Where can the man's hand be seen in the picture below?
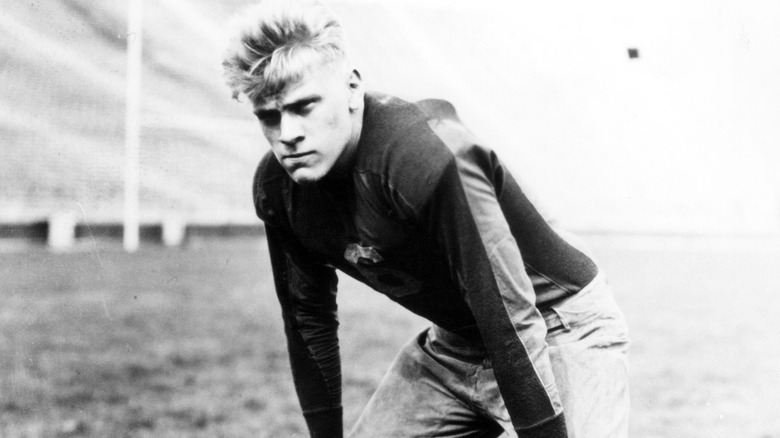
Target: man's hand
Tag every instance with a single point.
(325, 424)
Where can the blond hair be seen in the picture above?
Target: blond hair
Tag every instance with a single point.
(276, 41)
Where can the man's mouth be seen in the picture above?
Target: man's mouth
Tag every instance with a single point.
(298, 155)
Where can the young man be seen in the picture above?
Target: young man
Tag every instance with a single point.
(526, 338)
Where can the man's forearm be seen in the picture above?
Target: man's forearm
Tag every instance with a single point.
(307, 295)
(553, 428)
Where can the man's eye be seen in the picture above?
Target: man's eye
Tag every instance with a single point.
(268, 118)
(305, 107)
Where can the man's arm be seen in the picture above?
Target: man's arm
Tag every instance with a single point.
(465, 215)
(485, 258)
(307, 294)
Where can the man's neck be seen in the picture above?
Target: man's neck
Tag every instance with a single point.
(345, 162)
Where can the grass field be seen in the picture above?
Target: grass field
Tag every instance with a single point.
(188, 342)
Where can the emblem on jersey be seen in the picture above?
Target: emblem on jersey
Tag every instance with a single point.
(362, 255)
(384, 279)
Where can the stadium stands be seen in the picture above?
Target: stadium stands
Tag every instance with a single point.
(643, 143)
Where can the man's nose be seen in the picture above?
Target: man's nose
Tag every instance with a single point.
(290, 130)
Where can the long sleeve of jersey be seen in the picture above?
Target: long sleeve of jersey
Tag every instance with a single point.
(465, 213)
(307, 294)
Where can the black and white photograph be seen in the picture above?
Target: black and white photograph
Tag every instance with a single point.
(368, 219)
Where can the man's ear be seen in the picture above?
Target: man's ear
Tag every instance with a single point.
(356, 90)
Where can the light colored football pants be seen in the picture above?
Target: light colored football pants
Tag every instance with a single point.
(441, 385)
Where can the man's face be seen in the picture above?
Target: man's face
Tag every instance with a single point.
(309, 124)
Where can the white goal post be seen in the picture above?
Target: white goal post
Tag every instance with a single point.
(132, 125)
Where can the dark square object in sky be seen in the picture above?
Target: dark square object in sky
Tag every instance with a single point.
(633, 53)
